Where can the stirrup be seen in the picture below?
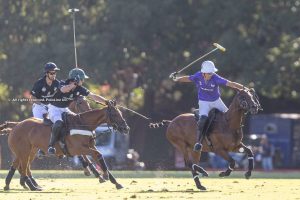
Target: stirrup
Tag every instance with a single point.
(197, 147)
(40, 154)
(51, 150)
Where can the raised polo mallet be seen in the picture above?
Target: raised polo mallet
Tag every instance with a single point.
(173, 75)
(73, 11)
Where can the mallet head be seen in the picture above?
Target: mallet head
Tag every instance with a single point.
(219, 47)
(73, 10)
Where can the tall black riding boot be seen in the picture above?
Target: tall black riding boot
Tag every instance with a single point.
(57, 126)
(201, 123)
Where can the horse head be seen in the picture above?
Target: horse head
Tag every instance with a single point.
(79, 105)
(115, 118)
(248, 101)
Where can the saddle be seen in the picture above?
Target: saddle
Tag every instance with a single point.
(72, 125)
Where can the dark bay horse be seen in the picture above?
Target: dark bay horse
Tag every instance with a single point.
(225, 135)
(32, 134)
(80, 104)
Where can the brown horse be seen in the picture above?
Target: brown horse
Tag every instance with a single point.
(225, 135)
(79, 105)
(32, 134)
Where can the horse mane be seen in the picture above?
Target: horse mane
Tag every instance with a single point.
(92, 111)
(233, 100)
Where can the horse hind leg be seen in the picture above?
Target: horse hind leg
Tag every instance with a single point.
(11, 173)
(224, 154)
(196, 169)
(196, 160)
(182, 147)
(24, 164)
(31, 158)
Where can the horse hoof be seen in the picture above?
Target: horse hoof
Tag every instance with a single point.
(247, 175)
(86, 172)
(119, 186)
(202, 188)
(204, 174)
(222, 174)
(6, 188)
(101, 179)
(39, 187)
(25, 187)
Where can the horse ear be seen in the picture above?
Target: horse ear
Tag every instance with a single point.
(252, 90)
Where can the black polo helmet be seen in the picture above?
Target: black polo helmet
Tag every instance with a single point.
(50, 66)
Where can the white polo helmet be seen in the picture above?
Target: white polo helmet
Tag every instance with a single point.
(208, 67)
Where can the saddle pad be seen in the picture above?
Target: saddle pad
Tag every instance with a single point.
(81, 132)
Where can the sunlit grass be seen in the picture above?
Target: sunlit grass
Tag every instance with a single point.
(156, 185)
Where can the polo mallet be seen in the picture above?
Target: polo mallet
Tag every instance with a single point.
(73, 11)
(217, 46)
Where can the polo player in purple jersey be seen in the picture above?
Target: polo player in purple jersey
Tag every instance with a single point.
(207, 83)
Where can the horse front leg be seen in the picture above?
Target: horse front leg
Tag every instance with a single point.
(224, 154)
(89, 166)
(250, 156)
(97, 156)
(85, 165)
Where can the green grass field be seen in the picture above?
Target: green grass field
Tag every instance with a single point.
(156, 185)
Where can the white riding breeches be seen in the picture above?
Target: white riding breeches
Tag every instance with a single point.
(55, 112)
(206, 106)
(38, 110)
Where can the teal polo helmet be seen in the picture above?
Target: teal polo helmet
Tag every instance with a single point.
(77, 72)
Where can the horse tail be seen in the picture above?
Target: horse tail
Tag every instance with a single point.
(6, 128)
(159, 124)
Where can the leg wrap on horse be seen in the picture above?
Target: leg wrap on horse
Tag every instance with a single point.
(10, 175)
(94, 170)
(196, 178)
(83, 162)
(231, 165)
(199, 169)
(201, 123)
(197, 181)
(22, 180)
(251, 163)
(250, 158)
(112, 178)
(102, 163)
(33, 181)
(29, 183)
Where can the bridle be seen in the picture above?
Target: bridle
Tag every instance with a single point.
(112, 122)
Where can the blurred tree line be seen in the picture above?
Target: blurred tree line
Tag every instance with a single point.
(129, 48)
